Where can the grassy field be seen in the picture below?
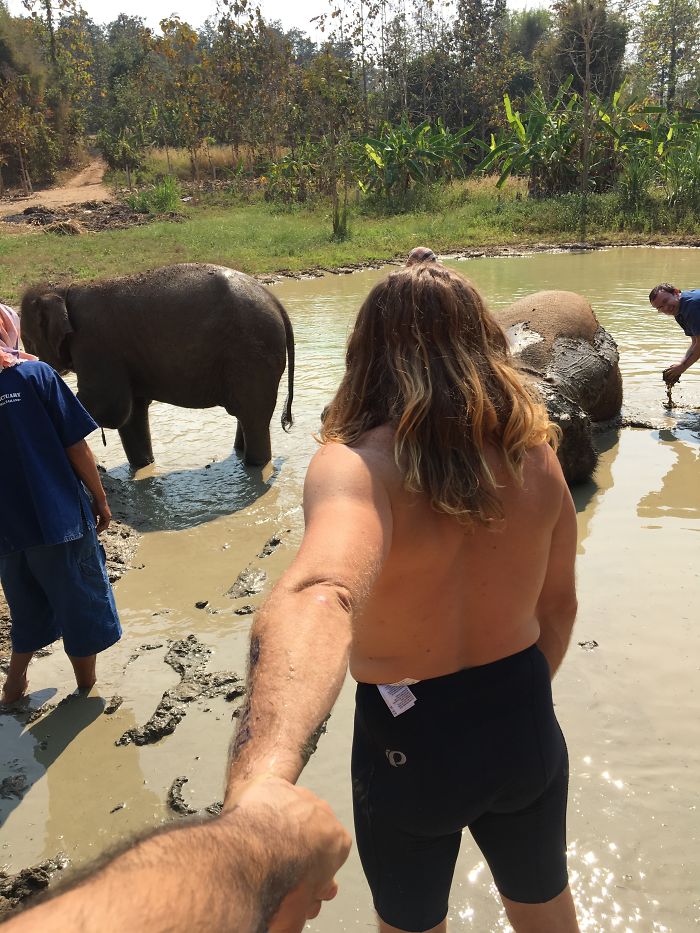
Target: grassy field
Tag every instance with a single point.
(259, 237)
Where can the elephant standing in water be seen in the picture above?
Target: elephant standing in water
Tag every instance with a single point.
(193, 335)
(573, 362)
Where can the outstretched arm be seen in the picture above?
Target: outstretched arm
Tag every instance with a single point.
(301, 638)
(673, 373)
(264, 866)
(557, 604)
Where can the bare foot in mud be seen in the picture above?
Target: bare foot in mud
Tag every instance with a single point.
(13, 690)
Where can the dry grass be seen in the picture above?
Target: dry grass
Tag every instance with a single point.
(212, 161)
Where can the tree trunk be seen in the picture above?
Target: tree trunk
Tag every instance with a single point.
(672, 69)
(24, 172)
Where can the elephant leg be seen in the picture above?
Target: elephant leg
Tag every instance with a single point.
(258, 449)
(239, 443)
(254, 416)
(135, 435)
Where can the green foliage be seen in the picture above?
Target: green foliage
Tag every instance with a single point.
(166, 195)
(542, 144)
(295, 176)
(403, 156)
(162, 199)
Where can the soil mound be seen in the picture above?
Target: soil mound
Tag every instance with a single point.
(89, 216)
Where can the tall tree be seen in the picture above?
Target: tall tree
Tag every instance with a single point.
(588, 37)
(668, 38)
(483, 66)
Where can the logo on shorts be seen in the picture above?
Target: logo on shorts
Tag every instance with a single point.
(396, 759)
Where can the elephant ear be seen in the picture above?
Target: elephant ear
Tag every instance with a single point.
(54, 325)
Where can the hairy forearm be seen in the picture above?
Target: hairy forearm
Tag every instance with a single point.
(299, 655)
(207, 877)
(555, 635)
(83, 462)
(692, 355)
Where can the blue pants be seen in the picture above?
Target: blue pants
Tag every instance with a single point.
(61, 591)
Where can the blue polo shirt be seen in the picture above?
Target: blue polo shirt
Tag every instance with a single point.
(41, 498)
(688, 317)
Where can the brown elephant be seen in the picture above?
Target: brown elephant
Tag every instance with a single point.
(573, 361)
(194, 335)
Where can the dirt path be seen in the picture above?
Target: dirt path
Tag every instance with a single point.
(85, 186)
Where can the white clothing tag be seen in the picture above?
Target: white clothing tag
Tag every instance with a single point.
(397, 697)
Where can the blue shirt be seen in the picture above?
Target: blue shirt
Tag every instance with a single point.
(688, 316)
(41, 498)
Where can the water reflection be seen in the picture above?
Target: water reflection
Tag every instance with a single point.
(588, 496)
(676, 498)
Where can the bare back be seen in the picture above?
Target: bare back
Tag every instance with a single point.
(449, 597)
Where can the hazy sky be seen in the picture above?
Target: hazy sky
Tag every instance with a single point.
(195, 12)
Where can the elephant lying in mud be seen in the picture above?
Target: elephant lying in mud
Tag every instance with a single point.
(573, 362)
(192, 335)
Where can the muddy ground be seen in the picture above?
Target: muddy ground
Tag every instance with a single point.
(86, 217)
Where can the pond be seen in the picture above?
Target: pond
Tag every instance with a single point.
(626, 695)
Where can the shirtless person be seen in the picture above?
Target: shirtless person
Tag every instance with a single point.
(439, 551)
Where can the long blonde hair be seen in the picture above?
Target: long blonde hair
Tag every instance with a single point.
(426, 357)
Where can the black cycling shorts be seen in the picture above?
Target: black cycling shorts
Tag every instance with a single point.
(480, 748)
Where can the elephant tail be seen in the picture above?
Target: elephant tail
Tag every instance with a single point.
(287, 419)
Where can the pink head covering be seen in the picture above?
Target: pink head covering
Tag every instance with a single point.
(10, 353)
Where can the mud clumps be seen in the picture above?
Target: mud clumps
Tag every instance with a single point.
(113, 705)
(188, 657)
(90, 216)
(179, 805)
(273, 543)
(244, 610)
(164, 720)
(16, 888)
(176, 801)
(14, 786)
(248, 582)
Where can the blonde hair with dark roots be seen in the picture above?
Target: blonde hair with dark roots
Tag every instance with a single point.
(426, 357)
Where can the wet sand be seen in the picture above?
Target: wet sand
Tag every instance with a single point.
(626, 695)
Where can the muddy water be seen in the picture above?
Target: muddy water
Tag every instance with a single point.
(627, 698)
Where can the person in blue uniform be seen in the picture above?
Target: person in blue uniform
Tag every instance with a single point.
(52, 566)
(685, 308)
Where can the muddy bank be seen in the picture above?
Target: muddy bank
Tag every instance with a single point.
(479, 252)
(120, 542)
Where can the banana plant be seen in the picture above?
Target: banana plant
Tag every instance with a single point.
(403, 155)
(542, 144)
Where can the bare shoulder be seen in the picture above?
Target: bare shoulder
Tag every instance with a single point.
(543, 471)
(372, 454)
(544, 460)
